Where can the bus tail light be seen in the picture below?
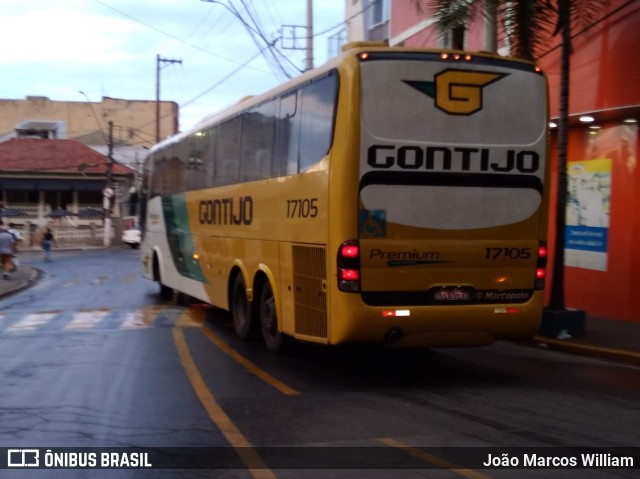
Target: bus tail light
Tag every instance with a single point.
(541, 265)
(349, 275)
(395, 313)
(349, 267)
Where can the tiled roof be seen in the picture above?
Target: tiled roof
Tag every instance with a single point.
(53, 156)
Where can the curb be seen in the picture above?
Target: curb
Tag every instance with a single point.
(21, 285)
(587, 349)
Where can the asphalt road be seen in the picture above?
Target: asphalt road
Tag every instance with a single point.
(91, 357)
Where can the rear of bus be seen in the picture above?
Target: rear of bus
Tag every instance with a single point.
(452, 202)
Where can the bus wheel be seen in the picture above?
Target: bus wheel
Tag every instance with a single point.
(165, 291)
(240, 308)
(273, 339)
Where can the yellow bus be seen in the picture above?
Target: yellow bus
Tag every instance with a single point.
(394, 196)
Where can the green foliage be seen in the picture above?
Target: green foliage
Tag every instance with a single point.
(529, 24)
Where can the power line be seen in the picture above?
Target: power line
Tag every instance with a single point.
(255, 33)
(268, 6)
(272, 50)
(342, 24)
(212, 87)
(273, 55)
(95, 116)
(220, 82)
(197, 47)
(276, 51)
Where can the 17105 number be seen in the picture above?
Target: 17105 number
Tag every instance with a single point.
(507, 253)
(303, 208)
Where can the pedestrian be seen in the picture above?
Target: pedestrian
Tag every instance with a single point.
(47, 243)
(18, 237)
(7, 242)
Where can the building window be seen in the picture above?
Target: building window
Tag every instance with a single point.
(336, 41)
(453, 38)
(378, 12)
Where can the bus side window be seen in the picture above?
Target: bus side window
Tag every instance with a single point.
(318, 107)
(154, 174)
(228, 152)
(167, 172)
(285, 152)
(208, 155)
(257, 142)
(175, 173)
(193, 163)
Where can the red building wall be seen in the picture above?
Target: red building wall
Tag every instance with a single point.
(605, 65)
(605, 81)
(612, 293)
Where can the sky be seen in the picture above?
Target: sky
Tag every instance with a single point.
(109, 48)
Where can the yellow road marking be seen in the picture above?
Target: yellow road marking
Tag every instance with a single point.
(196, 317)
(243, 447)
(192, 318)
(249, 366)
(438, 461)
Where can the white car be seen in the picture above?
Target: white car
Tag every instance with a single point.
(132, 237)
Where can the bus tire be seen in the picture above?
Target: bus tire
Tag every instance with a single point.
(240, 308)
(273, 339)
(166, 292)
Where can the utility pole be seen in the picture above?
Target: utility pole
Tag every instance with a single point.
(158, 61)
(309, 49)
(109, 191)
(291, 40)
(110, 155)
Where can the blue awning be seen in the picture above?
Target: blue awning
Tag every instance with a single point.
(18, 184)
(88, 185)
(28, 184)
(55, 185)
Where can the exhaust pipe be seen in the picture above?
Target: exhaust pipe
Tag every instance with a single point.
(393, 335)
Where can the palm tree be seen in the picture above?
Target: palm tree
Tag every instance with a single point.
(528, 23)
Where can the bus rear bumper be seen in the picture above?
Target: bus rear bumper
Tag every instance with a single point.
(438, 326)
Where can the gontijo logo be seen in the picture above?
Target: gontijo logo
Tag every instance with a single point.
(457, 92)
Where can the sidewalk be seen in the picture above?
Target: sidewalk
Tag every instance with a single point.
(20, 279)
(603, 338)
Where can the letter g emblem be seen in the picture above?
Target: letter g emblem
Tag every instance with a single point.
(460, 92)
(457, 92)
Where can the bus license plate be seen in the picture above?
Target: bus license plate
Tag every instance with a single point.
(452, 294)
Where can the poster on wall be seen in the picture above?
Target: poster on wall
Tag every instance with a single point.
(589, 193)
(588, 208)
